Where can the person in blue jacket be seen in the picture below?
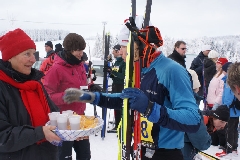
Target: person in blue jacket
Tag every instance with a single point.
(193, 142)
(165, 97)
(228, 99)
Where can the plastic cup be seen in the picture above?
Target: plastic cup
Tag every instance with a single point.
(53, 118)
(84, 87)
(55, 113)
(74, 122)
(68, 112)
(62, 122)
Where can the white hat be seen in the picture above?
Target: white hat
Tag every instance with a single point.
(123, 36)
(124, 32)
(206, 47)
(213, 54)
(196, 83)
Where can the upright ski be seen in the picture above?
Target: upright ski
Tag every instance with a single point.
(105, 83)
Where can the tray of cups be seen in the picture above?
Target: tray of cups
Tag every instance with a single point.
(72, 126)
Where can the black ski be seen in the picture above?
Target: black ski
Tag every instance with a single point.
(105, 83)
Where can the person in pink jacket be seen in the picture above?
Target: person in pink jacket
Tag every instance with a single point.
(215, 88)
(214, 99)
(68, 72)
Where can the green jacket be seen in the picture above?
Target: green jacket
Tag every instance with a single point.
(118, 71)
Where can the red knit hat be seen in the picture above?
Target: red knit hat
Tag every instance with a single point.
(15, 42)
(222, 61)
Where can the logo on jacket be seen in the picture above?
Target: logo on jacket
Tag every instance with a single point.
(151, 92)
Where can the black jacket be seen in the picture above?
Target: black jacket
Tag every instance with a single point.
(209, 70)
(118, 71)
(197, 65)
(17, 135)
(178, 58)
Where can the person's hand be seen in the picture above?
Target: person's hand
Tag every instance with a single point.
(107, 69)
(112, 75)
(94, 87)
(109, 58)
(78, 95)
(93, 71)
(49, 135)
(137, 99)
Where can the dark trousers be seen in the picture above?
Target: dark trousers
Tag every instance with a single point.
(165, 154)
(232, 134)
(117, 88)
(218, 137)
(82, 149)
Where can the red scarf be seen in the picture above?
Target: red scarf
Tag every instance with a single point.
(33, 98)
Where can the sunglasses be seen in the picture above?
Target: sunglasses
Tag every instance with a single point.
(183, 49)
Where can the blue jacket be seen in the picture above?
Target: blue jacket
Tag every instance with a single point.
(228, 97)
(193, 142)
(167, 84)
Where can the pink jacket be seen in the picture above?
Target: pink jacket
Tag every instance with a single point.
(62, 76)
(215, 90)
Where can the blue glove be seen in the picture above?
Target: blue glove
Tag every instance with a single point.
(138, 100)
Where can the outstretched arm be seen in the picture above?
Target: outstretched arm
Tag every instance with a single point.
(112, 101)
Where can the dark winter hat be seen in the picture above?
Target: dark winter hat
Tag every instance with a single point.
(117, 47)
(84, 57)
(15, 42)
(221, 113)
(58, 47)
(225, 66)
(74, 42)
(49, 43)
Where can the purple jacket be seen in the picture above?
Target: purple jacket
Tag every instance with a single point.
(62, 76)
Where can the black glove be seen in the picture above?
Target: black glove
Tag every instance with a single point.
(111, 76)
(95, 88)
(107, 69)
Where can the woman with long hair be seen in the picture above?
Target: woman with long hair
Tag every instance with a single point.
(215, 89)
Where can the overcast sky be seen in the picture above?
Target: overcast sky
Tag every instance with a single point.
(175, 18)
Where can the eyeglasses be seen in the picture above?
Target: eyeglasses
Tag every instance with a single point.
(183, 49)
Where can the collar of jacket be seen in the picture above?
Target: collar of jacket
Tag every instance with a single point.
(49, 53)
(119, 58)
(69, 58)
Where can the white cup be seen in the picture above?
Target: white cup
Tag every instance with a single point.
(84, 87)
(62, 121)
(53, 118)
(55, 112)
(74, 122)
(68, 112)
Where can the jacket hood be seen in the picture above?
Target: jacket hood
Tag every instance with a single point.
(58, 59)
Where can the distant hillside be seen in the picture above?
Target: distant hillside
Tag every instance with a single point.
(226, 46)
(44, 34)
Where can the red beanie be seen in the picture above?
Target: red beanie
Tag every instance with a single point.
(222, 61)
(15, 42)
